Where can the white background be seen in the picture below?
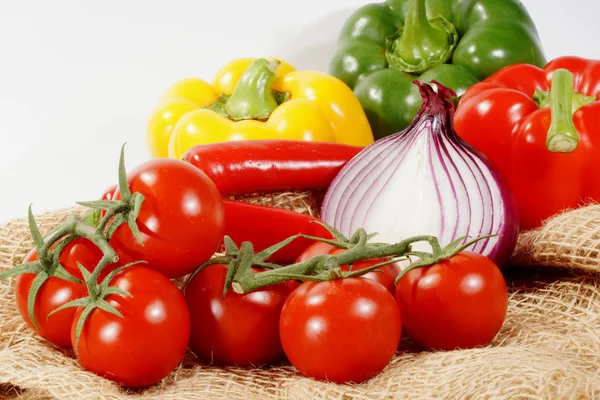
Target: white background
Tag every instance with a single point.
(79, 78)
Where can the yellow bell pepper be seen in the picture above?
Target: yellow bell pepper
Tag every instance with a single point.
(254, 99)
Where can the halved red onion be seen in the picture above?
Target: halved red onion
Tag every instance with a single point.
(425, 180)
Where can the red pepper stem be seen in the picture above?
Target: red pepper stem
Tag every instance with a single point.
(562, 134)
(422, 43)
(252, 97)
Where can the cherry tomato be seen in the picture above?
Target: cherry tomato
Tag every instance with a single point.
(385, 277)
(457, 303)
(344, 330)
(56, 291)
(150, 340)
(181, 220)
(242, 329)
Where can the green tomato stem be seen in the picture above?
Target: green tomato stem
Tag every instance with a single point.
(422, 43)
(252, 97)
(246, 281)
(562, 134)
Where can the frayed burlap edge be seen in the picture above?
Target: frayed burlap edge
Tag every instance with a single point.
(568, 240)
(549, 348)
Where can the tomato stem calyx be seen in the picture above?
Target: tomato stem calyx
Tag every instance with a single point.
(242, 279)
(97, 296)
(438, 254)
(49, 248)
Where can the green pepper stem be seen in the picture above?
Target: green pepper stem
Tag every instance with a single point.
(422, 43)
(252, 97)
(562, 134)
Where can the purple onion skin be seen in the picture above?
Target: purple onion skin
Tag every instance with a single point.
(509, 233)
(440, 104)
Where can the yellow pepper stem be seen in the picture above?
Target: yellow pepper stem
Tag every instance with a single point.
(252, 97)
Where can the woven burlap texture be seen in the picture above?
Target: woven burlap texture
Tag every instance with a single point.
(549, 347)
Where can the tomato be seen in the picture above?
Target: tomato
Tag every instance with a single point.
(344, 330)
(150, 340)
(242, 329)
(457, 303)
(181, 220)
(56, 291)
(385, 277)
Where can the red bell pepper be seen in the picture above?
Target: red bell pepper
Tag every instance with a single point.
(250, 166)
(541, 128)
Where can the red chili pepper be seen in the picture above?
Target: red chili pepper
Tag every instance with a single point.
(541, 128)
(266, 226)
(251, 166)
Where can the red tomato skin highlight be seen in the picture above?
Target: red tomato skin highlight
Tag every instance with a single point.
(242, 329)
(457, 303)
(150, 340)
(345, 330)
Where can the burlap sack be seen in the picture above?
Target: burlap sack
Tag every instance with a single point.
(549, 347)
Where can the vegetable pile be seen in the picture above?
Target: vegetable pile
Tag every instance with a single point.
(420, 209)
(288, 286)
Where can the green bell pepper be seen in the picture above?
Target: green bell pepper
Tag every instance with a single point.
(384, 47)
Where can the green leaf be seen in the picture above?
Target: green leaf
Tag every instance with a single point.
(230, 246)
(99, 204)
(60, 246)
(104, 306)
(232, 270)
(341, 245)
(81, 302)
(115, 224)
(116, 291)
(106, 281)
(455, 243)
(35, 232)
(131, 221)
(92, 218)
(32, 267)
(80, 322)
(334, 232)
(372, 235)
(33, 291)
(212, 261)
(84, 272)
(466, 245)
(138, 200)
(60, 272)
(123, 184)
(269, 251)
(419, 264)
(353, 274)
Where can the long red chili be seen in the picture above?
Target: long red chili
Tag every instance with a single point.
(266, 226)
(250, 166)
